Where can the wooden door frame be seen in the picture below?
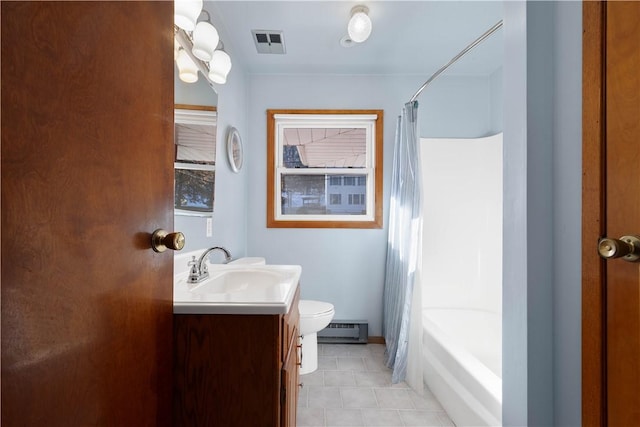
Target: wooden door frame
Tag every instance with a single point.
(594, 363)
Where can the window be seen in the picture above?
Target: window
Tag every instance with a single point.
(356, 199)
(335, 199)
(324, 168)
(335, 180)
(349, 180)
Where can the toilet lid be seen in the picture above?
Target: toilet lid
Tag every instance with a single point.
(310, 308)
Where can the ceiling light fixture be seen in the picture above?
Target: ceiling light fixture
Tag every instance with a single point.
(205, 39)
(345, 41)
(187, 69)
(196, 44)
(186, 12)
(219, 66)
(359, 27)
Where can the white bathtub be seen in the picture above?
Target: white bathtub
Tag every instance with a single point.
(463, 363)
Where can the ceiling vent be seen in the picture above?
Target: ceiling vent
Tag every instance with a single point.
(268, 41)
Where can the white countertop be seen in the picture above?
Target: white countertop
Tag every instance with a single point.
(247, 288)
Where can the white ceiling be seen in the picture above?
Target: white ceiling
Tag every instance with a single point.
(408, 37)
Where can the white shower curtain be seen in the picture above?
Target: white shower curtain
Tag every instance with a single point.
(402, 289)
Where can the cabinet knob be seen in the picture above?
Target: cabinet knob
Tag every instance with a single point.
(301, 385)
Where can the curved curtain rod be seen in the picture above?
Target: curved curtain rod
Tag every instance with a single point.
(456, 58)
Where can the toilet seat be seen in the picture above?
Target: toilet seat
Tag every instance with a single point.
(311, 308)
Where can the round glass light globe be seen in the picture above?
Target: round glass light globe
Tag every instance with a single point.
(205, 41)
(186, 12)
(187, 69)
(359, 27)
(219, 67)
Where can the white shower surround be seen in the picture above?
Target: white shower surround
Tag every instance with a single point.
(462, 276)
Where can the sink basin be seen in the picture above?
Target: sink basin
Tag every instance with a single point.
(252, 260)
(242, 280)
(240, 288)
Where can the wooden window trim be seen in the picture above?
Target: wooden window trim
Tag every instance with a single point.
(195, 107)
(271, 174)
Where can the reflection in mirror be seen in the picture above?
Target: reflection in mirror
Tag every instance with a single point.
(195, 156)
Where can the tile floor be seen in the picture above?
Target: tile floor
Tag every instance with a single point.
(352, 387)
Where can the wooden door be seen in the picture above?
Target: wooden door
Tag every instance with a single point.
(611, 289)
(87, 131)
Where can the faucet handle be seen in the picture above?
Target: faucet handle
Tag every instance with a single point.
(193, 264)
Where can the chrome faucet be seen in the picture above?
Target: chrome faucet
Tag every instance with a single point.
(199, 270)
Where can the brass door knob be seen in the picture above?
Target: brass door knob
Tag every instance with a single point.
(627, 248)
(162, 240)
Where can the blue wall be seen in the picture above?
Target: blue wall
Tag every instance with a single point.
(567, 209)
(542, 184)
(346, 267)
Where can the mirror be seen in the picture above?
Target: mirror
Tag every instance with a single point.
(196, 226)
(195, 159)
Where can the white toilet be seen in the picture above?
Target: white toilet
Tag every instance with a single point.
(314, 316)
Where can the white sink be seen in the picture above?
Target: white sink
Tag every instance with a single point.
(251, 260)
(238, 288)
(245, 279)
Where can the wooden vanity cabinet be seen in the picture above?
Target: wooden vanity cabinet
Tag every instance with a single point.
(236, 370)
(290, 366)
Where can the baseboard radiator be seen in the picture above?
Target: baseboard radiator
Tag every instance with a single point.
(345, 332)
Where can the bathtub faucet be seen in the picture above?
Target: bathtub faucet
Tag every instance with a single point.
(199, 270)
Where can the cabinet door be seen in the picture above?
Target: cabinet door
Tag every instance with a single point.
(290, 364)
(290, 383)
(290, 325)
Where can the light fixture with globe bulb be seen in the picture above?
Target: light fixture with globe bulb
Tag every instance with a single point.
(186, 13)
(197, 44)
(205, 39)
(219, 66)
(359, 27)
(187, 68)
